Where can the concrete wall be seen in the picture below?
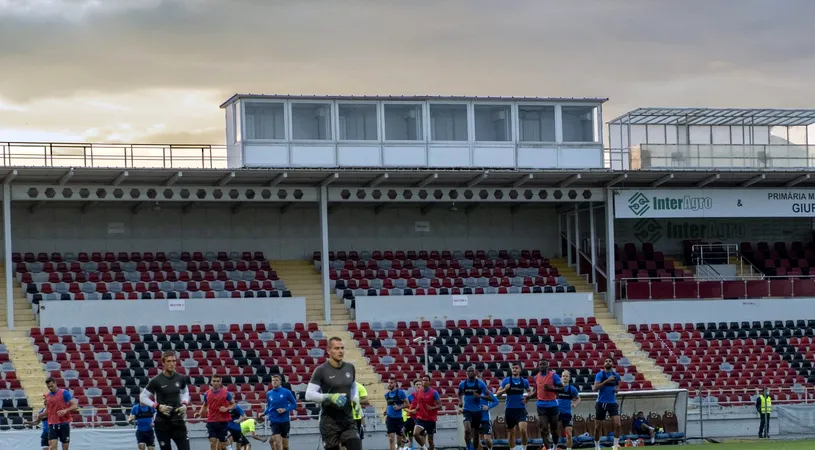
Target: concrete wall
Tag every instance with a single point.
(294, 235)
(692, 311)
(157, 312)
(454, 307)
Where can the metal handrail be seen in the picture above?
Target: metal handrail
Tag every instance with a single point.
(625, 282)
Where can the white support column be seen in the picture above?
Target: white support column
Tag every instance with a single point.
(577, 238)
(560, 235)
(569, 229)
(326, 264)
(593, 246)
(610, 290)
(7, 248)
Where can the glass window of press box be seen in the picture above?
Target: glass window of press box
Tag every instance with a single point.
(403, 122)
(448, 122)
(493, 123)
(537, 123)
(579, 123)
(311, 121)
(264, 121)
(358, 122)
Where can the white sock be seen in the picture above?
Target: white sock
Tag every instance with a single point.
(652, 440)
(616, 442)
(597, 445)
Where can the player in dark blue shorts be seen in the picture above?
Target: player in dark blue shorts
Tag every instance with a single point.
(143, 416)
(515, 387)
(566, 400)
(41, 418)
(485, 430)
(394, 421)
(470, 392)
(607, 383)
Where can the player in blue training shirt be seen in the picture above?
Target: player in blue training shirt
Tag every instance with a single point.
(41, 417)
(607, 383)
(566, 400)
(485, 430)
(280, 402)
(397, 400)
(470, 392)
(143, 416)
(515, 387)
(236, 416)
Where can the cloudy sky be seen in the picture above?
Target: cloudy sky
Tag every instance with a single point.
(156, 71)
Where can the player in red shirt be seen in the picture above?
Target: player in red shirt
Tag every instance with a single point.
(59, 404)
(218, 402)
(428, 404)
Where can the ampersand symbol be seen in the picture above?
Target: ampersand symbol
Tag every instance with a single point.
(738, 202)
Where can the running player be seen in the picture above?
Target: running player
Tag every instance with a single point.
(515, 387)
(41, 417)
(236, 416)
(172, 397)
(566, 400)
(59, 405)
(547, 385)
(248, 429)
(218, 402)
(395, 424)
(470, 392)
(359, 418)
(143, 416)
(485, 430)
(607, 383)
(428, 404)
(409, 414)
(333, 386)
(280, 402)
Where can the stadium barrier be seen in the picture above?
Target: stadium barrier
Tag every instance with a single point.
(633, 289)
(64, 154)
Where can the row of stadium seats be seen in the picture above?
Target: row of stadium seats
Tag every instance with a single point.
(428, 255)
(731, 361)
(146, 277)
(121, 257)
(12, 395)
(729, 289)
(142, 267)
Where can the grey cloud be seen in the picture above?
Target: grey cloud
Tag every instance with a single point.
(750, 50)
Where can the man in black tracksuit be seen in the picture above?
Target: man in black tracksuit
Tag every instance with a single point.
(171, 399)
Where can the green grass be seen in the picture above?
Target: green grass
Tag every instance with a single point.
(762, 445)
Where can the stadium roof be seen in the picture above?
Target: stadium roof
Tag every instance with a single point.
(717, 117)
(757, 178)
(408, 98)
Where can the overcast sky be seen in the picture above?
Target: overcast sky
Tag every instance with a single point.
(156, 71)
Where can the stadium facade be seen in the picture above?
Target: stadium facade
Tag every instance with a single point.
(489, 224)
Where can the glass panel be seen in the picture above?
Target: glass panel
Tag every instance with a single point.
(448, 122)
(493, 123)
(358, 123)
(264, 121)
(578, 124)
(403, 122)
(311, 121)
(537, 123)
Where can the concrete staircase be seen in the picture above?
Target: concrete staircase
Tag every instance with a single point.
(578, 281)
(678, 264)
(303, 280)
(629, 348)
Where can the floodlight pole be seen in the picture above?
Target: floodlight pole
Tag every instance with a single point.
(425, 342)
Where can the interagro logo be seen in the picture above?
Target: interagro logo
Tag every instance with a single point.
(648, 230)
(639, 204)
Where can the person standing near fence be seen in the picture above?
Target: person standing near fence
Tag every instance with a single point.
(764, 405)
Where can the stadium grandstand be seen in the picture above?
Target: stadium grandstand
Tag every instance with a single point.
(430, 234)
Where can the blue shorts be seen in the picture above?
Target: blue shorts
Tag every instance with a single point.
(60, 432)
(604, 410)
(565, 420)
(218, 430)
(395, 425)
(44, 441)
(147, 438)
(485, 427)
(514, 416)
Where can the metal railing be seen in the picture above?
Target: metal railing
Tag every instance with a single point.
(165, 156)
(704, 156)
(686, 288)
(714, 397)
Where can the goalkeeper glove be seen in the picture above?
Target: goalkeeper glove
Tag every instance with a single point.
(339, 400)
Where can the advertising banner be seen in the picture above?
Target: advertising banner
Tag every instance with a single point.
(730, 203)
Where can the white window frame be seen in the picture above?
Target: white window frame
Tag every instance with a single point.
(558, 129)
(286, 128)
(332, 108)
(470, 120)
(512, 117)
(378, 115)
(422, 107)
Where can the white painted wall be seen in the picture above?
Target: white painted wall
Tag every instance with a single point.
(692, 311)
(294, 235)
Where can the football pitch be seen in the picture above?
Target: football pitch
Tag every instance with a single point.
(804, 444)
